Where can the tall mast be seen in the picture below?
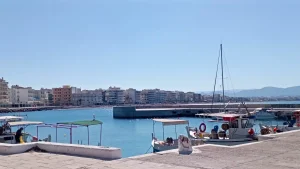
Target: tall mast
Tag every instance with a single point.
(223, 98)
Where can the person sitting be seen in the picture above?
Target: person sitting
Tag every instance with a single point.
(18, 135)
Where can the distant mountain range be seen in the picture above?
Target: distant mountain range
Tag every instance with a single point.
(263, 92)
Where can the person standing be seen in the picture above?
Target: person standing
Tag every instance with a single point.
(18, 135)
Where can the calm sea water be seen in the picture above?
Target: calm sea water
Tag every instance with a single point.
(132, 136)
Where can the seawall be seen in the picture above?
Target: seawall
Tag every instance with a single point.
(189, 110)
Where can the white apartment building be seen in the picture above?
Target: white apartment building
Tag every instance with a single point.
(189, 97)
(180, 96)
(149, 96)
(162, 96)
(137, 97)
(171, 96)
(87, 98)
(130, 96)
(19, 95)
(197, 97)
(44, 95)
(75, 90)
(120, 97)
(4, 92)
(114, 95)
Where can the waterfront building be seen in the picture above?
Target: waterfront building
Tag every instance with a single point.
(62, 95)
(162, 96)
(217, 98)
(4, 92)
(44, 95)
(149, 96)
(75, 90)
(189, 97)
(9, 96)
(138, 97)
(114, 95)
(171, 97)
(130, 96)
(206, 98)
(33, 95)
(88, 98)
(120, 97)
(180, 96)
(19, 95)
(197, 97)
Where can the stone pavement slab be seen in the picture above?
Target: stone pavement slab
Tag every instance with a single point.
(278, 153)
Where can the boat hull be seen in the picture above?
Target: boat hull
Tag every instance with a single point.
(163, 147)
(265, 117)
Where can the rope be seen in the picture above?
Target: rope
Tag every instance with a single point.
(216, 79)
(234, 93)
(148, 149)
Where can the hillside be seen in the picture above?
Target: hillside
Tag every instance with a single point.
(263, 92)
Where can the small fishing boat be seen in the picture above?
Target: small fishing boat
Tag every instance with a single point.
(236, 128)
(169, 143)
(6, 134)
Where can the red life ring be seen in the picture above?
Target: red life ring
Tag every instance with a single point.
(200, 127)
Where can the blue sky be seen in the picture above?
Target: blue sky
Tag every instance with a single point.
(171, 45)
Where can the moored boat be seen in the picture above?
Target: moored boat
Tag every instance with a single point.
(169, 143)
(263, 114)
(6, 134)
(236, 128)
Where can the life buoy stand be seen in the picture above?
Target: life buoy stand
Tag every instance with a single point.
(202, 127)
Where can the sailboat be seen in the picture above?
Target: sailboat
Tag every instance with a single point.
(236, 127)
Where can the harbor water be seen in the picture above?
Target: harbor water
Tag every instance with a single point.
(133, 136)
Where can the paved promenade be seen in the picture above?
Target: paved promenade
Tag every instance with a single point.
(278, 153)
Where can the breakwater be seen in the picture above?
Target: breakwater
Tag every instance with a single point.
(189, 110)
(29, 109)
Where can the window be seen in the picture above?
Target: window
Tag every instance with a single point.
(245, 123)
(234, 124)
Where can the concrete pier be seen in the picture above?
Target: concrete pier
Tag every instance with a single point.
(281, 152)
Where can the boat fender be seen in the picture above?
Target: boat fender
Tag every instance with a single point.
(251, 131)
(202, 127)
(225, 126)
(21, 140)
(216, 128)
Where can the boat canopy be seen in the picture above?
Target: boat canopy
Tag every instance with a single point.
(24, 123)
(10, 118)
(74, 124)
(83, 123)
(167, 122)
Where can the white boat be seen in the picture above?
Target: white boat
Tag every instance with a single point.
(216, 118)
(263, 114)
(169, 143)
(10, 118)
(7, 136)
(293, 124)
(236, 128)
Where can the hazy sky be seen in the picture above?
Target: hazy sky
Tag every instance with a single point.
(170, 45)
